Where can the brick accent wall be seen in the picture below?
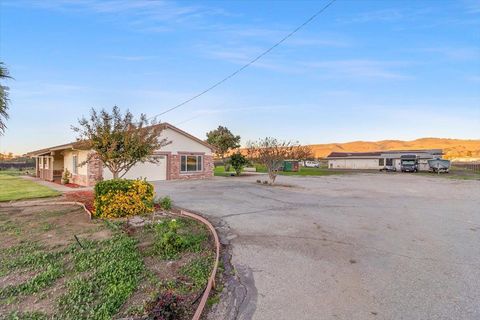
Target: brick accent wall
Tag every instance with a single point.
(175, 169)
(94, 170)
(94, 173)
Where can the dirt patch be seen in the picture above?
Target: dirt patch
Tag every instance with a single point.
(52, 225)
(16, 278)
(86, 197)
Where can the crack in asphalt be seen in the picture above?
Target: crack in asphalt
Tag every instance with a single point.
(477, 265)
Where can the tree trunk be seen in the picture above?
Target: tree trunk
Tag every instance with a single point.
(226, 166)
(272, 175)
(115, 174)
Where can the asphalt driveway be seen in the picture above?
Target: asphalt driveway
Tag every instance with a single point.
(366, 246)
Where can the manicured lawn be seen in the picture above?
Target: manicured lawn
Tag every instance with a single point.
(113, 271)
(13, 187)
(304, 171)
(311, 172)
(219, 171)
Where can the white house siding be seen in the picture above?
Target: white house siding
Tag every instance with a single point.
(148, 170)
(68, 161)
(423, 165)
(181, 143)
(353, 164)
(373, 163)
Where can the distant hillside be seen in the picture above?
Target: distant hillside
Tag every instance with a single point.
(454, 149)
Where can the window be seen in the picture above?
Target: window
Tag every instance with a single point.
(191, 163)
(75, 164)
(46, 160)
(381, 162)
(40, 162)
(389, 162)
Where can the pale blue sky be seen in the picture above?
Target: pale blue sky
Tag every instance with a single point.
(363, 70)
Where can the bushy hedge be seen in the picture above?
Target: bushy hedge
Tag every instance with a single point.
(122, 198)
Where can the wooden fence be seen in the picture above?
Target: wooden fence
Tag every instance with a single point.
(474, 166)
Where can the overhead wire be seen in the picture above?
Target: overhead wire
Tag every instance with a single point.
(233, 74)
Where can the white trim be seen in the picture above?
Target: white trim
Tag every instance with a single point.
(199, 164)
(74, 163)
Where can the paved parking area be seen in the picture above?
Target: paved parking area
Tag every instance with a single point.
(364, 246)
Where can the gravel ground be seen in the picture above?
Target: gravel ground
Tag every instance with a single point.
(364, 246)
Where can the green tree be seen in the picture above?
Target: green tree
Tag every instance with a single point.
(238, 161)
(4, 100)
(224, 141)
(119, 140)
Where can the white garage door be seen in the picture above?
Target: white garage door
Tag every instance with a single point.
(150, 171)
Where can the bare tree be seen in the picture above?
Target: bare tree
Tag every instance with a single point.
(119, 140)
(302, 153)
(271, 153)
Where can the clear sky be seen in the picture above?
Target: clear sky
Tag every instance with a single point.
(363, 70)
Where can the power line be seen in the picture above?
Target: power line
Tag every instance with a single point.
(249, 63)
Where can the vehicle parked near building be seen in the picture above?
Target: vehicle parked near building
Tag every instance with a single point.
(439, 165)
(382, 160)
(389, 168)
(312, 164)
(409, 163)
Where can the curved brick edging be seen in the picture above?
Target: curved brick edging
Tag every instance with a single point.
(211, 279)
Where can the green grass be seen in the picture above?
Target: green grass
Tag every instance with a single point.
(219, 171)
(457, 174)
(304, 171)
(15, 172)
(27, 316)
(311, 172)
(106, 274)
(171, 239)
(100, 277)
(16, 188)
(198, 271)
(96, 279)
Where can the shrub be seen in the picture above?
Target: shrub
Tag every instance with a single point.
(123, 198)
(165, 202)
(66, 176)
(169, 243)
(238, 161)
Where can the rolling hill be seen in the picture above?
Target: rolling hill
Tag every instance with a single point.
(454, 149)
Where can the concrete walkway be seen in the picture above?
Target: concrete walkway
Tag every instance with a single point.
(59, 187)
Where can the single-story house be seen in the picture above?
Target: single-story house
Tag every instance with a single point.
(185, 157)
(380, 159)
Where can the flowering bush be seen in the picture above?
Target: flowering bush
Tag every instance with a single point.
(122, 198)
